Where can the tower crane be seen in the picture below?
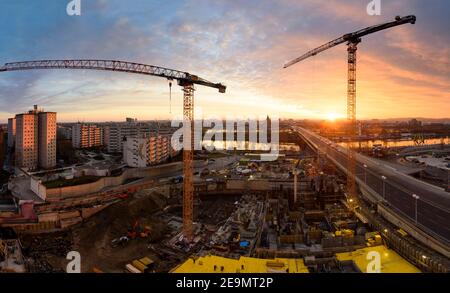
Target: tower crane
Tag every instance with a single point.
(352, 40)
(184, 79)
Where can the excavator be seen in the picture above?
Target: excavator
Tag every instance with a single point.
(134, 232)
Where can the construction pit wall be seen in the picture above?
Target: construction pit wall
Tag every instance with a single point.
(61, 215)
(56, 221)
(60, 193)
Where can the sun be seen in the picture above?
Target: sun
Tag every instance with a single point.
(331, 116)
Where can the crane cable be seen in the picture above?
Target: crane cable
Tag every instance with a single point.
(170, 96)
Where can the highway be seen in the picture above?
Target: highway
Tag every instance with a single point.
(400, 192)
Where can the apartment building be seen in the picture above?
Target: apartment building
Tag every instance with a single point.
(115, 134)
(47, 139)
(11, 132)
(27, 141)
(146, 150)
(35, 139)
(86, 136)
(64, 132)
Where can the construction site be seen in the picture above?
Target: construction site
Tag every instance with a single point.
(318, 208)
(251, 211)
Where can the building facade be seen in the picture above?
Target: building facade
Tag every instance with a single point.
(35, 139)
(146, 150)
(3, 146)
(27, 141)
(64, 132)
(86, 136)
(11, 132)
(116, 134)
(47, 139)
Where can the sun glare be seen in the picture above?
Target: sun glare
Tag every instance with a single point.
(332, 116)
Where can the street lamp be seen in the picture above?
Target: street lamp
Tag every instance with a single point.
(365, 173)
(416, 197)
(448, 180)
(384, 186)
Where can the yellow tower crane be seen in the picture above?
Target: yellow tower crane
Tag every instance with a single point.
(352, 40)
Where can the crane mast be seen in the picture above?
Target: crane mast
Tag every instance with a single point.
(352, 39)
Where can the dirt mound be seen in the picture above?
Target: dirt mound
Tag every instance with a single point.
(93, 237)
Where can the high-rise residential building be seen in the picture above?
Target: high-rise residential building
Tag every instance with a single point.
(116, 134)
(47, 139)
(64, 132)
(35, 139)
(146, 150)
(27, 141)
(11, 132)
(86, 136)
(3, 145)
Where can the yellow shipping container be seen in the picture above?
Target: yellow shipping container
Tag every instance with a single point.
(140, 266)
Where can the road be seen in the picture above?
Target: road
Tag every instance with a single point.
(397, 189)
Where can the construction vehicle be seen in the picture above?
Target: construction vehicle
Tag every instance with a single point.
(373, 239)
(137, 231)
(122, 241)
(352, 40)
(344, 233)
(184, 79)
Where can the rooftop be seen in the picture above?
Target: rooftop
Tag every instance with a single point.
(391, 262)
(205, 264)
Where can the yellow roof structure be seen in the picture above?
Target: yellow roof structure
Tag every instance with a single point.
(391, 262)
(205, 264)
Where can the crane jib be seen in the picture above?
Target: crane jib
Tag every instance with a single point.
(114, 65)
(354, 37)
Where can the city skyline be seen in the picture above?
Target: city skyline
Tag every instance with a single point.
(244, 45)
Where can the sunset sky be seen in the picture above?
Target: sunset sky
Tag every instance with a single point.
(402, 72)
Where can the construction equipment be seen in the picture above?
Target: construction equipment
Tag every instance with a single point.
(352, 40)
(137, 231)
(184, 79)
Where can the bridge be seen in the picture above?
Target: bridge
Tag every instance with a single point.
(421, 209)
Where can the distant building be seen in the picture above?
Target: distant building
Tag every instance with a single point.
(86, 136)
(64, 132)
(147, 150)
(11, 132)
(27, 141)
(35, 139)
(3, 146)
(116, 134)
(47, 139)
(415, 124)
